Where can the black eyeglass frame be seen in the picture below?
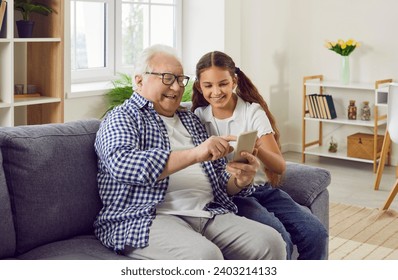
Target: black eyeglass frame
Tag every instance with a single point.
(182, 83)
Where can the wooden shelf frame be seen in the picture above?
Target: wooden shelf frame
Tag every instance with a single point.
(316, 147)
(38, 61)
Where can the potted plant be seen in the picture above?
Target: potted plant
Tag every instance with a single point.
(26, 7)
(332, 146)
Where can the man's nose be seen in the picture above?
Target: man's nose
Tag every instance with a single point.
(175, 85)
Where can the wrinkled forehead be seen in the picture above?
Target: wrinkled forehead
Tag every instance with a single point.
(166, 63)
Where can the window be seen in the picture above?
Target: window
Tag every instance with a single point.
(108, 35)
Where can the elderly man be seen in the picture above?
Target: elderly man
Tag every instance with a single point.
(165, 185)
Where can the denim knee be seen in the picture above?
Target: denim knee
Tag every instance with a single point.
(313, 243)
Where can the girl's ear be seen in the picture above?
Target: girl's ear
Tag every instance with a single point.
(235, 82)
(196, 84)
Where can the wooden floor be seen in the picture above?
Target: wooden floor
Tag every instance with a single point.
(353, 182)
(360, 233)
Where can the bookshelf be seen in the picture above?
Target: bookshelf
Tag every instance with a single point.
(358, 91)
(32, 61)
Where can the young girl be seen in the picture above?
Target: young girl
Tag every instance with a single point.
(228, 103)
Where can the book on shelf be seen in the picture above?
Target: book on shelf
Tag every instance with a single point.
(2, 12)
(316, 106)
(321, 106)
(326, 106)
(309, 98)
(331, 107)
(310, 107)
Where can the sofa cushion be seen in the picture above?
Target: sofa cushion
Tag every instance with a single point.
(51, 177)
(304, 183)
(7, 233)
(86, 247)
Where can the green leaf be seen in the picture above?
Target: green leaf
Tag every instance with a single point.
(187, 95)
(122, 90)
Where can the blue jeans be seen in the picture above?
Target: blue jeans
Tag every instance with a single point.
(274, 207)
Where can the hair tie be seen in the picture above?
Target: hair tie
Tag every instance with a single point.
(237, 70)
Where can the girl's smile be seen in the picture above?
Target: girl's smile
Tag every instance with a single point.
(216, 85)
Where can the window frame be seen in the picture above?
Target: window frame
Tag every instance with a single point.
(114, 44)
(100, 74)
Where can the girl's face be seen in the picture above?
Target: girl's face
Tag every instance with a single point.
(216, 85)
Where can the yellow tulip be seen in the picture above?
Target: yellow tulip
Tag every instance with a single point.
(342, 47)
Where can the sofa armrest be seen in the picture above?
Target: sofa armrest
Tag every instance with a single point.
(304, 183)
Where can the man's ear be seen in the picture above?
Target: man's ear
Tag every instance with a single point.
(138, 80)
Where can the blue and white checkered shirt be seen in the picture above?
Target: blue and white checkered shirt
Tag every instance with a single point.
(133, 147)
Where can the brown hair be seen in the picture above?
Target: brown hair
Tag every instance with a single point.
(245, 90)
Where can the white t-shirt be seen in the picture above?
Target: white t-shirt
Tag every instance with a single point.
(189, 189)
(246, 117)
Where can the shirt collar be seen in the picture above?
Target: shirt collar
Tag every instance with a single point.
(140, 101)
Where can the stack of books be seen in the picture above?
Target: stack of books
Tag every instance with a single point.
(321, 106)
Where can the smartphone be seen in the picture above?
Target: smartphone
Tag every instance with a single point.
(246, 142)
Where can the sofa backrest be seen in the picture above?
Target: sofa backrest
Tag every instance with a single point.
(50, 172)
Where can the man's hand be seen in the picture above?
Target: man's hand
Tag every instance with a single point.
(214, 147)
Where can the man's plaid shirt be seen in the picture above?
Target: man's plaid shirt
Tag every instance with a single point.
(133, 147)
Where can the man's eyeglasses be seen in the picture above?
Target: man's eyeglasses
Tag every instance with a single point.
(169, 78)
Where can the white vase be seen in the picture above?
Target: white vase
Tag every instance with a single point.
(345, 70)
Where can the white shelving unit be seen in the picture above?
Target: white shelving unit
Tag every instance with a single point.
(38, 61)
(355, 91)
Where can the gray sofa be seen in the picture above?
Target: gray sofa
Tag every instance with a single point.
(49, 196)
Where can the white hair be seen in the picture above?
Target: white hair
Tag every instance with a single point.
(143, 63)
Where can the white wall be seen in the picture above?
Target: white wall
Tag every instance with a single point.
(202, 30)
(373, 23)
(265, 33)
(210, 25)
(85, 108)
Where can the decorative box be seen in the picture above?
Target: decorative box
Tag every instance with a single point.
(360, 145)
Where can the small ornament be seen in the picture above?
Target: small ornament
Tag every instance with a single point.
(333, 146)
(352, 110)
(365, 111)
